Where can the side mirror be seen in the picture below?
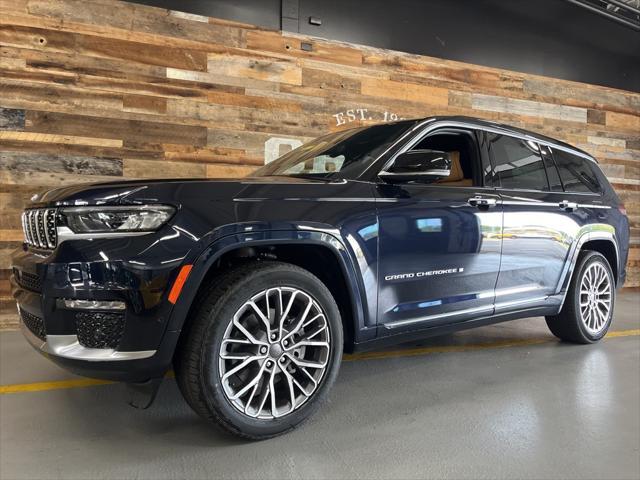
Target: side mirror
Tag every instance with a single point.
(419, 166)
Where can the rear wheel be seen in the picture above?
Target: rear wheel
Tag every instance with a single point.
(588, 308)
(263, 350)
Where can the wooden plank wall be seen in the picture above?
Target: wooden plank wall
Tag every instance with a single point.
(94, 90)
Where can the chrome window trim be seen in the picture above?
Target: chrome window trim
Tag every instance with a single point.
(433, 124)
(430, 173)
(550, 204)
(67, 346)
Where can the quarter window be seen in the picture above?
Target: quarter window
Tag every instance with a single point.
(577, 173)
(517, 163)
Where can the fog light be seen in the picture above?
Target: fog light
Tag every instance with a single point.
(94, 304)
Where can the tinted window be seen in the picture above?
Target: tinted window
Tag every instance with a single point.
(337, 154)
(577, 173)
(517, 163)
(463, 151)
(552, 171)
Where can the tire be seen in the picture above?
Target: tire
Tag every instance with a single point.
(219, 358)
(582, 324)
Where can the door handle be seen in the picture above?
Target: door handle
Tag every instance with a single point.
(567, 205)
(482, 202)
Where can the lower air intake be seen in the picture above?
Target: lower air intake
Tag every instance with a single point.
(99, 330)
(33, 323)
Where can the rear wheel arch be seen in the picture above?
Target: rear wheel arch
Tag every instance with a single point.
(607, 248)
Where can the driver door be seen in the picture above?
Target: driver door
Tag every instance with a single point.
(440, 242)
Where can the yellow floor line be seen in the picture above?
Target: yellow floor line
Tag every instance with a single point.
(410, 352)
(42, 386)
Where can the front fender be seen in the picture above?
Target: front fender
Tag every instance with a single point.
(220, 246)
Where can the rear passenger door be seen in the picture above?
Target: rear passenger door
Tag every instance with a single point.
(537, 230)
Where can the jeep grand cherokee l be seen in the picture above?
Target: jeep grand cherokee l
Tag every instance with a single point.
(252, 288)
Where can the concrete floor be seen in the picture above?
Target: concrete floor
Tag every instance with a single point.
(530, 410)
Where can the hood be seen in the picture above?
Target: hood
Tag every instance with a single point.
(158, 190)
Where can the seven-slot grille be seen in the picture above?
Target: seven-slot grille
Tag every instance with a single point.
(39, 226)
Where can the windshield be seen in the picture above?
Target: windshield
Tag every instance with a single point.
(343, 154)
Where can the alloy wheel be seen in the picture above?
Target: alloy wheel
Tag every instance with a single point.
(274, 353)
(595, 298)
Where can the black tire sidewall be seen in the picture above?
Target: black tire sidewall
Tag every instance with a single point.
(274, 276)
(586, 261)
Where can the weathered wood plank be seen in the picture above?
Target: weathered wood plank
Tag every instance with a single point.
(11, 119)
(228, 171)
(45, 180)
(288, 45)
(623, 121)
(79, 149)
(215, 78)
(256, 67)
(38, 95)
(404, 91)
(59, 139)
(134, 168)
(529, 108)
(231, 156)
(68, 124)
(34, 162)
(315, 78)
(583, 95)
(253, 101)
(136, 18)
(60, 41)
(144, 104)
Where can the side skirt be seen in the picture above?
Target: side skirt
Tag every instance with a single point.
(420, 334)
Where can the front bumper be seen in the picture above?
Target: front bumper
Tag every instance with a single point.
(139, 348)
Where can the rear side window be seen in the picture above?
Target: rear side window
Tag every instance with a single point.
(577, 173)
(517, 163)
(552, 171)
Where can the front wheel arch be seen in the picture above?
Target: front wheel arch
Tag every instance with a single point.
(344, 282)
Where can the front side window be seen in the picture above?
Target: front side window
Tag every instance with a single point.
(462, 148)
(517, 163)
(344, 154)
(577, 173)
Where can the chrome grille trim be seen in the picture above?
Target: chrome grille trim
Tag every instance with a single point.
(37, 215)
(39, 227)
(32, 231)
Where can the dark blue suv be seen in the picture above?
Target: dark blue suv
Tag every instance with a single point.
(253, 288)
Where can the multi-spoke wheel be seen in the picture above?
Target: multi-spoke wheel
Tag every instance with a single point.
(588, 308)
(274, 352)
(263, 349)
(595, 298)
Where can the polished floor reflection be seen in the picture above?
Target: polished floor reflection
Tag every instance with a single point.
(502, 401)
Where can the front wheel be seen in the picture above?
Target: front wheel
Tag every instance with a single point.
(588, 308)
(262, 351)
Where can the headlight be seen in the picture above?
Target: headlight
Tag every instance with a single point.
(146, 218)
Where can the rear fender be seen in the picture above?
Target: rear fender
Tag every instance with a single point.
(598, 231)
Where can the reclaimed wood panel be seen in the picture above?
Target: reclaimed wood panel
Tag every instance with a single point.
(95, 90)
